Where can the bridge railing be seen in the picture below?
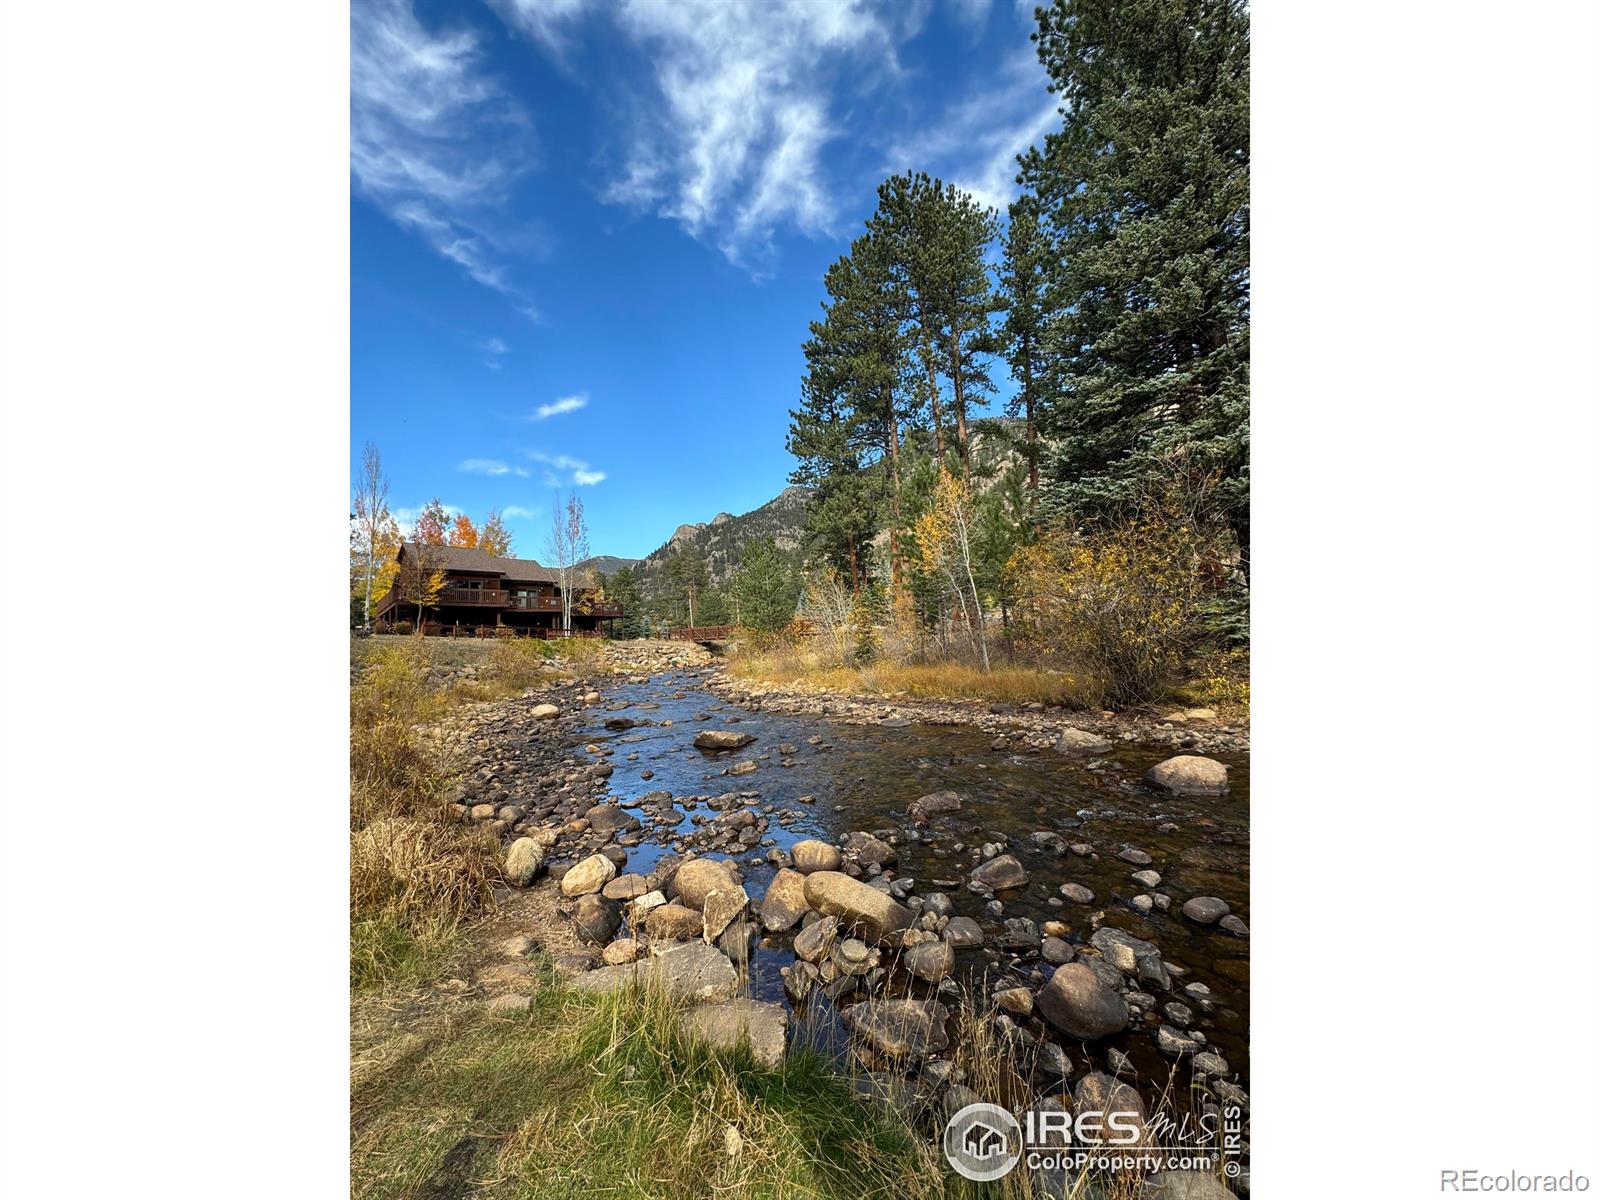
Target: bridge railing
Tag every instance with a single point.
(701, 633)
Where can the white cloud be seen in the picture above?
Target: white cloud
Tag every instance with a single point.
(564, 405)
(495, 346)
(976, 142)
(731, 147)
(434, 142)
(516, 512)
(407, 517)
(489, 466)
(581, 475)
(973, 12)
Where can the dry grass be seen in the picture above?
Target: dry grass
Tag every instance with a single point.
(592, 1095)
(802, 667)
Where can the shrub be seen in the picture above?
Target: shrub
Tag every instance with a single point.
(518, 662)
(1119, 608)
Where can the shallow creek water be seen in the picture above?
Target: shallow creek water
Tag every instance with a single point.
(863, 777)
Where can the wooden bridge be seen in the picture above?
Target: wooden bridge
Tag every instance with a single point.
(704, 634)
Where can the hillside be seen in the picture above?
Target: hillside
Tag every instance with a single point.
(723, 538)
(607, 564)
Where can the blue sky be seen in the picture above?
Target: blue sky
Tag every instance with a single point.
(586, 239)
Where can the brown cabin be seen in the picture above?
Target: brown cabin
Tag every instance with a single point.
(482, 589)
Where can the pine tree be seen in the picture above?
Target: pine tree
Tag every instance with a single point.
(1023, 280)
(494, 538)
(1145, 195)
(763, 588)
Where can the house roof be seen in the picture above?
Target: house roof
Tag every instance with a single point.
(464, 558)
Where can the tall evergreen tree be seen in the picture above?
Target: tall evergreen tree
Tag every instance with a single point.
(1023, 281)
(1145, 194)
(763, 588)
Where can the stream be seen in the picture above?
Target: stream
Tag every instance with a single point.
(862, 777)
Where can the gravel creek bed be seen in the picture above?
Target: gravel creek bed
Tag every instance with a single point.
(1106, 862)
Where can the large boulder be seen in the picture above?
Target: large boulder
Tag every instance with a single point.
(924, 808)
(699, 877)
(1078, 1004)
(695, 972)
(724, 905)
(725, 1026)
(673, 922)
(900, 1029)
(545, 712)
(868, 850)
(813, 942)
(590, 875)
(860, 908)
(1188, 775)
(722, 739)
(785, 901)
(596, 919)
(1081, 741)
(1001, 872)
(523, 861)
(931, 961)
(1098, 1092)
(812, 855)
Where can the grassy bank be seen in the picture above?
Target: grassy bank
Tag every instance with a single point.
(1220, 682)
(591, 1095)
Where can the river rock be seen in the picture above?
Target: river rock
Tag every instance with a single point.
(624, 950)
(1205, 910)
(1001, 872)
(722, 907)
(596, 919)
(626, 887)
(523, 861)
(742, 768)
(674, 922)
(814, 941)
(1123, 950)
(606, 819)
(722, 739)
(694, 971)
(931, 961)
(1234, 926)
(699, 877)
(545, 712)
(590, 875)
(1077, 893)
(868, 850)
(1100, 1093)
(1081, 741)
(1184, 1185)
(785, 901)
(1055, 950)
(860, 908)
(963, 933)
(1077, 1003)
(731, 1023)
(1188, 775)
(812, 855)
(900, 1029)
(1147, 879)
(926, 807)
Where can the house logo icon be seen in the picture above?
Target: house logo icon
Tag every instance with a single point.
(982, 1142)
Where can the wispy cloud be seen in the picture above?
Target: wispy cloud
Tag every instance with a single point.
(556, 407)
(407, 517)
(517, 513)
(489, 466)
(434, 141)
(580, 473)
(731, 145)
(495, 346)
(975, 143)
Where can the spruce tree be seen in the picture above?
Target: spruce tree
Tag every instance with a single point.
(1145, 193)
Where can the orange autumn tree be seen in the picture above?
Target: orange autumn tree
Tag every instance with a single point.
(433, 523)
(464, 532)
